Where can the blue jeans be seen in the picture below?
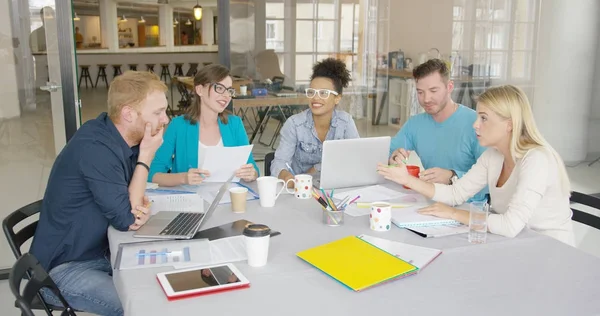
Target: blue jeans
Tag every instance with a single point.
(87, 286)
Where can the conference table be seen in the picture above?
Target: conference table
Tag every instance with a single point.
(530, 274)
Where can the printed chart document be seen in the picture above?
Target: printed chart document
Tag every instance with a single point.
(222, 162)
(174, 201)
(180, 253)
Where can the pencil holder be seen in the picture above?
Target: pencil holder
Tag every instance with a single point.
(333, 218)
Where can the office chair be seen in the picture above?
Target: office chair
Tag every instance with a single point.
(268, 160)
(584, 217)
(28, 267)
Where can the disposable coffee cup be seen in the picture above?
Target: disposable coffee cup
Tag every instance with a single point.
(257, 237)
(238, 199)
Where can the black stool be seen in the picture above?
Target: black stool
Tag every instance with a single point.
(193, 70)
(102, 74)
(133, 67)
(150, 67)
(117, 70)
(165, 72)
(178, 70)
(85, 74)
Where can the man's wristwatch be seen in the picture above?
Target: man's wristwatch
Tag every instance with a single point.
(454, 177)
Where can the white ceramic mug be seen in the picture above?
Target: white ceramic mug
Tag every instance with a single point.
(243, 90)
(380, 218)
(267, 190)
(302, 186)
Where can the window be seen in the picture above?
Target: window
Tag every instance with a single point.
(88, 32)
(495, 36)
(186, 30)
(271, 30)
(137, 25)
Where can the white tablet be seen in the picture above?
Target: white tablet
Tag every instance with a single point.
(201, 280)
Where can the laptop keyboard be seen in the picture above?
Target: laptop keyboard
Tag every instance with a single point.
(182, 225)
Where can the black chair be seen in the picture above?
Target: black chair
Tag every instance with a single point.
(268, 160)
(584, 217)
(28, 267)
(16, 239)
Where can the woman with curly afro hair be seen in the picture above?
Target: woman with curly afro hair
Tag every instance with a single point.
(303, 134)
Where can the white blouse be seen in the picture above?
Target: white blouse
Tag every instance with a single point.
(532, 195)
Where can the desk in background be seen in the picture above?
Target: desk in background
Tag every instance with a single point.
(531, 274)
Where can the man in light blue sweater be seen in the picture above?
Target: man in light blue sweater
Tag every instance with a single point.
(443, 137)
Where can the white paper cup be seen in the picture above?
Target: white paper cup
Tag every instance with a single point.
(257, 238)
(380, 218)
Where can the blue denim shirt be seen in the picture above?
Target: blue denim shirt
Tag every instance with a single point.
(300, 146)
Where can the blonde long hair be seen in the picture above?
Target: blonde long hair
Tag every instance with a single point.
(510, 102)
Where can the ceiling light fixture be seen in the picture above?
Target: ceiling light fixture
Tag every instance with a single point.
(197, 11)
(76, 18)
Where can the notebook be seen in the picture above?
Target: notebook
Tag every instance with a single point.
(356, 263)
(408, 217)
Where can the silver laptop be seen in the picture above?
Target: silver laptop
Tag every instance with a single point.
(353, 162)
(179, 225)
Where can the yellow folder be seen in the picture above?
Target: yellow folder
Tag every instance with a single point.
(356, 263)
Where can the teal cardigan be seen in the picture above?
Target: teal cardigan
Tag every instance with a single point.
(179, 150)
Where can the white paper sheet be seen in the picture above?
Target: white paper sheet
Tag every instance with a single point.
(170, 200)
(222, 162)
(415, 255)
(372, 193)
(406, 200)
(208, 191)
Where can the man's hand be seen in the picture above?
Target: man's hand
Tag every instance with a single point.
(150, 144)
(399, 155)
(141, 214)
(436, 175)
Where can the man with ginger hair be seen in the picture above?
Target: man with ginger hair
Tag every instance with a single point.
(97, 180)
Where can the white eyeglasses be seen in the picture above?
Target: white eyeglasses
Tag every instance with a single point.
(323, 93)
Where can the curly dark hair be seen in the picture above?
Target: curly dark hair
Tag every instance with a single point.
(333, 69)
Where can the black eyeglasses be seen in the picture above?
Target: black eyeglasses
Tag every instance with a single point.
(221, 89)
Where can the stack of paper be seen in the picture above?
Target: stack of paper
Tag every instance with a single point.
(409, 217)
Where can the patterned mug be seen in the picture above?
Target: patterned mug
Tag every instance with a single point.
(302, 186)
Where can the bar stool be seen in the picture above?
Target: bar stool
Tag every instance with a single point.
(178, 70)
(133, 67)
(85, 74)
(117, 70)
(150, 68)
(193, 70)
(165, 72)
(102, 74)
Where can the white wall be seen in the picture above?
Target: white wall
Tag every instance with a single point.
(419, 25)
(594, 129)
(9, 91)
(563, 82)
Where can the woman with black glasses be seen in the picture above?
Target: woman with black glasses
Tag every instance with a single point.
(206, 123)
(303, 134)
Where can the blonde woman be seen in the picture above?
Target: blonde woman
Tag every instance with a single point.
(528, 182)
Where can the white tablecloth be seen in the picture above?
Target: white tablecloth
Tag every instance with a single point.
(529, 275)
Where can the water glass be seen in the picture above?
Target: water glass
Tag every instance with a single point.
(478, 216)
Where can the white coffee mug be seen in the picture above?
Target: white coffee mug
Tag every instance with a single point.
(243, 90)
(302, 186)
(380, 218)
(267, 190)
